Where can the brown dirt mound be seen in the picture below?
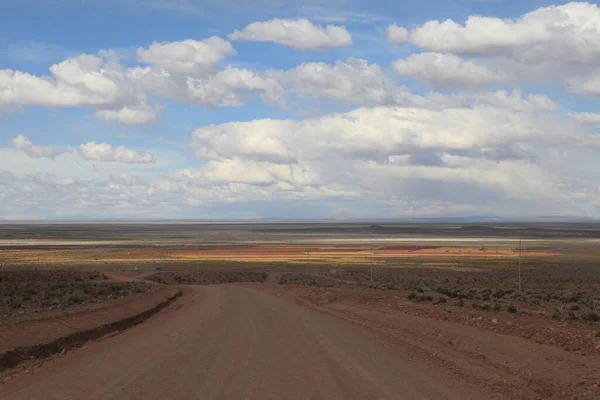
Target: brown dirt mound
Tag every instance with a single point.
(71, 333)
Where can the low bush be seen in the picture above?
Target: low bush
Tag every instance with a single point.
(591, 316)
(440, 300)
(573, 316)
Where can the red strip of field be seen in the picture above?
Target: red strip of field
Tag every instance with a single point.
(437, 254)
(409, 248)
(246, 250)
(269, 250)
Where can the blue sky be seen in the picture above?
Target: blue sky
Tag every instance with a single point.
(341, 109)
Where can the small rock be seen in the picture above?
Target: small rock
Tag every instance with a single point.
(494, 321)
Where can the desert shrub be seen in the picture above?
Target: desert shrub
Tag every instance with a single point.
(74, 298)
(591, 316)
(157, 279)
(556, 315)
(412, 296)
(572, 316)
(497, 307)
(486, 307)
(574, 307)
(460, 303)
(511, 309)
(440, 300)
(15, 303)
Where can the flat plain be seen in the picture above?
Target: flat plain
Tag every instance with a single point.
(306, 310)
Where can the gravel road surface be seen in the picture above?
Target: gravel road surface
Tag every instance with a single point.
(238, 342)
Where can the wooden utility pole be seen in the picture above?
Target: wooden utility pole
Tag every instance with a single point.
(519, 262)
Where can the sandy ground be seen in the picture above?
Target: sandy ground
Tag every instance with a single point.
(238, 342)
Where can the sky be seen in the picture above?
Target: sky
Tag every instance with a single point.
(345, 109)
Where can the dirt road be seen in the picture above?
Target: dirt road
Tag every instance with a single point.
(238, 342)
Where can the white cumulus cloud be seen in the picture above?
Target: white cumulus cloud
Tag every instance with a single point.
(588, 85)
(515, 101)
(232, 87)
(22, 142)
(104, 152)
(300, 34)
(185, 72)
(353, 80)
(397, 34)
(188, 57)
(130, 115)
(568, 32)
(392, 152)
(587, 118)
(447, 71)
(557, 44)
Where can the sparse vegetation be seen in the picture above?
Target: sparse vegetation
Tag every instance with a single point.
(217, 277)
(590, 316)
(573, 316)
(556, 315)
(40, 296)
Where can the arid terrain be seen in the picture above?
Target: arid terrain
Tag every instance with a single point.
(270, 311)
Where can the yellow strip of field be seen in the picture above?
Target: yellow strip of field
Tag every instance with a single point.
(258, 254)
